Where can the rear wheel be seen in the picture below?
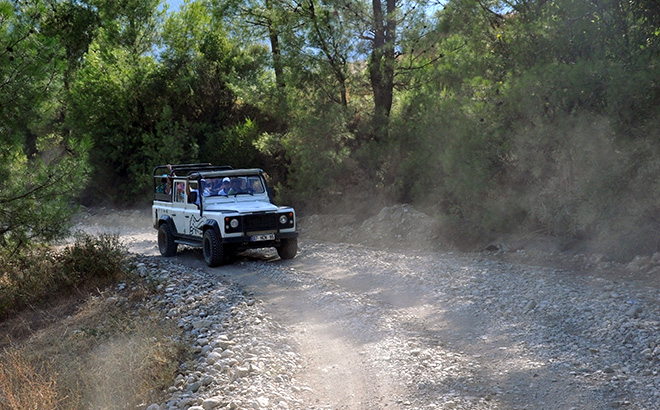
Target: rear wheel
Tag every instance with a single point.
(213, 249)
(288, 248)
(166, 244)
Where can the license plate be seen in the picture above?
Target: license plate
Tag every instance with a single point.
(268, 237)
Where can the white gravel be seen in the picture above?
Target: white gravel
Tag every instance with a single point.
(430, 330)
(242, 358)
(448, 331)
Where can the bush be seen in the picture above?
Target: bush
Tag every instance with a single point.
(316, 147)
(92, 259)
(452, 158)
(26, 278)
(39, 272)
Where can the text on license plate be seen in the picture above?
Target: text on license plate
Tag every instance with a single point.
(267, 237)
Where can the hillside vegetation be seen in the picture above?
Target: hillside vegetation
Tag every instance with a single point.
(491, 116)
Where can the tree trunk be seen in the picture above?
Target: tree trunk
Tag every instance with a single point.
(273, 37)
(277, 58)
(381, 66)
(337, 64)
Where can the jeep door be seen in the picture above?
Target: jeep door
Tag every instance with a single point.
(191, 210)
(179, 207)
(192, 219)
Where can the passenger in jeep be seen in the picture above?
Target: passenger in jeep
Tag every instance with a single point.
(189, 190)
(224, 190)
(164, 186)
(256, 186)
(180, 192)
(211, 187)
(217, 186)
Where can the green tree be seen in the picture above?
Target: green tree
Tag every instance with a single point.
(109, 103)
(328, 45)
(208, 85)
(41, 169)
(533, 116)
(275, 23)
(112, 103)
(75, 24)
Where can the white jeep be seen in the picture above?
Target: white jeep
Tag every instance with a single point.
(220, 209)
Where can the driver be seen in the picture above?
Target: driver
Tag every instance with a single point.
(236, 186)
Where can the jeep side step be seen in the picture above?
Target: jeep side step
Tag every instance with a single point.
(188, 242)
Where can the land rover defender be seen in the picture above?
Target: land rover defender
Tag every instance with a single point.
(222, 210)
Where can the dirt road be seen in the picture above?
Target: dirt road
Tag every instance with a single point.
(380, 329)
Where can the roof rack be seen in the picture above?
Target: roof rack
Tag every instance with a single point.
(226, 173)
(185, 169)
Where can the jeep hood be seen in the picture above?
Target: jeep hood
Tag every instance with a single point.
(241, 207)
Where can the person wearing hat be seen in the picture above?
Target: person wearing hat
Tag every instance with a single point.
(226, 182)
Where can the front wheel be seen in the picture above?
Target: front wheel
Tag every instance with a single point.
(212, 248)
(288, 248)
(166, 244)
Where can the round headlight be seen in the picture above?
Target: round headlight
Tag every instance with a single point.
(283, 219)
(234, 223)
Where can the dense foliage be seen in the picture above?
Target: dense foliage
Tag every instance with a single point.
(41, 165)
(495, 116)
(42, 274)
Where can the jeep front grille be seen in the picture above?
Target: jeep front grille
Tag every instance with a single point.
(260, 222)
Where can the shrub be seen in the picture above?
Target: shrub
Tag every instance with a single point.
(316, 147)
(26, 277)
(91, 258)
(39, 272)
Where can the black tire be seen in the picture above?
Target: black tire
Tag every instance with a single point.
(288, 248)
(166, 244)
(214, 252)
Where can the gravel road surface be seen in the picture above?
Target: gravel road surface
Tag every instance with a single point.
(345, 326)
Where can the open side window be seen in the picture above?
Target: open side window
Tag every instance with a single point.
(162, 190)
(179, 189)
(193, 192)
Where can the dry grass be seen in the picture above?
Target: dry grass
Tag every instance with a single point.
(22, 386)
(88, 349)
(104, 356)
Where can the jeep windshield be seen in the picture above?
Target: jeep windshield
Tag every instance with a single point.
(231, 185)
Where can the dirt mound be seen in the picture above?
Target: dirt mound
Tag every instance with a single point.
(333, 228)
(399, 226)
